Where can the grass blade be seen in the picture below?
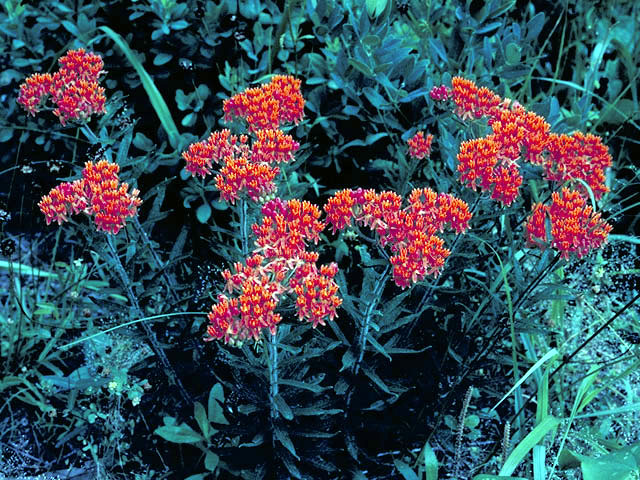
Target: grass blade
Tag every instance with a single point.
(158, 103)
(527, 444)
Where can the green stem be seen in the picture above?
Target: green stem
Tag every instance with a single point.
(272, 362)
(126, 324)
(242, 212)
(151, 336)
(366, 323)
(156, 257)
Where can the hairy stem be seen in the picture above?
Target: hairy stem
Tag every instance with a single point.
(272, 362)
(366, 322)
(151, 336)
(242, 212)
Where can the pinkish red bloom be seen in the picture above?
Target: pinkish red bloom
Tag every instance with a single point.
(316, 292)
(575, 227)
(440, 93)
(424, 255)
(419, 145)
(220, 147)
(471, 101)
(282, 266)
(239, 173)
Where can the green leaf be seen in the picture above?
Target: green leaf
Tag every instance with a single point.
(347, 360)
(179, 25)
(436, 45)
(142, 142)
(6, 134)
(201, 417)
(162, 58)
(512, 53)
(527, 444)
(376, 7)
(361, 67)
(430, 462)
(620, 112)
(189, 119)
(405, 470)
(534, 26)
(158, 103)
(203, 213)
(614, 466)
(211, 461)
(550, 354)
(178, 433)
(374, 97)
(283, 408)
(284, 439)
(216, 398)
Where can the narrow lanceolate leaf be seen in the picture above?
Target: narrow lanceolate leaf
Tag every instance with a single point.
(178, 434)
(158, 103)
(527, 444)
(284, 439)
(405, 470)
(430, 465)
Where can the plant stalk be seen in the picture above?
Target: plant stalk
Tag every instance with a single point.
(151, 336)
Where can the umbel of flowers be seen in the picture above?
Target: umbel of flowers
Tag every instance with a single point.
(98, 194)
(492, 163)
(280, 265)
(410, 232)
(74, 89)
(251, 168)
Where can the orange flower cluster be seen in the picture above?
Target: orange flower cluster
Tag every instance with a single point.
(74, 88)
(492, 163)
(286, 228)
(99, 194)
(410, 232)
(218, 148)
(273, 146)
(578, 156)
(574, 225)
(245, 167)
(419, 145)
(268, 106)
(279, 266)
(521, 135)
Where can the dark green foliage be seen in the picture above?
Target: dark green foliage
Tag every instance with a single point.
(102, 361)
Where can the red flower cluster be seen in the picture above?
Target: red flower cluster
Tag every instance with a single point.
(280, 265)
(219, 148)
(74, 88)
(578, 156)
(98, 193)
(574, 225)
(251, 167)
(286, 228)
(419, 145)
(410, 232)
(273, 146)
(268, 106)
(520, 135)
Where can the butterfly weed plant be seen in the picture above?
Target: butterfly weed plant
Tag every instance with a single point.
(389, 245)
